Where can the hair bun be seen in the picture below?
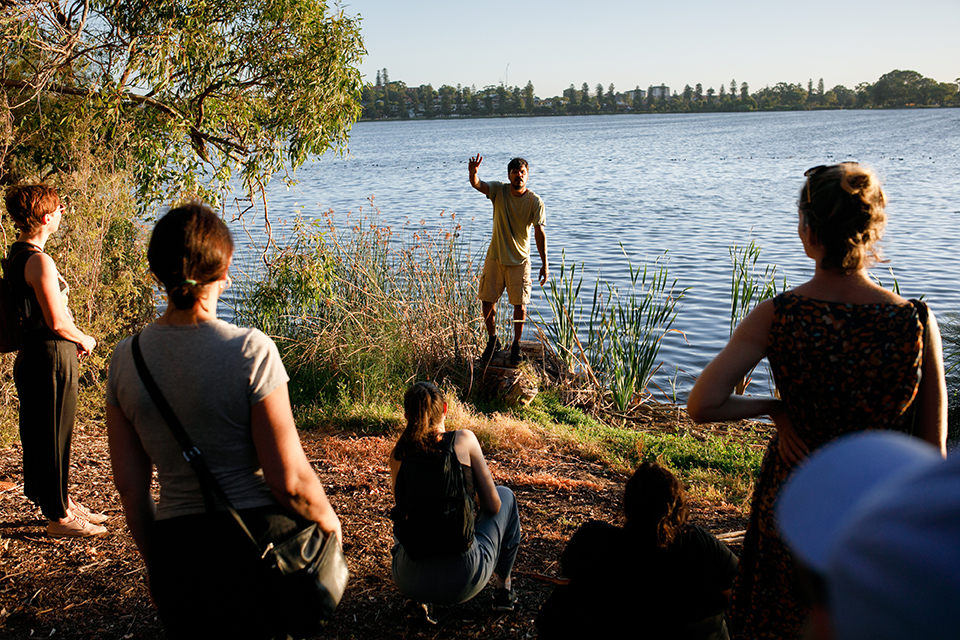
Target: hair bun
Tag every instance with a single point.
(845, 204)
(857, 180)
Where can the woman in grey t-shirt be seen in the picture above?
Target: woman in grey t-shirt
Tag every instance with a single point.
(228, 387)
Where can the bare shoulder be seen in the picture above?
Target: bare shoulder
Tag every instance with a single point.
(39, 265)
(38, 260)
(758, 320)
(466, 438)
(883, 296)
(466, 445)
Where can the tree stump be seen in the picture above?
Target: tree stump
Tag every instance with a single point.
(517, 385)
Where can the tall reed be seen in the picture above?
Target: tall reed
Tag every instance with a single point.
(624, 328)
(362, 309)
(950, 334)
(748, 288)
(562, 294)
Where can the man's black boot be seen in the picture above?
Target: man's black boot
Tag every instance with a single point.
(515, 353)
(493, 345)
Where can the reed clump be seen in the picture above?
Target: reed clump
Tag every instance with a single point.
(624, 328)
(748, 288)
(360, 309)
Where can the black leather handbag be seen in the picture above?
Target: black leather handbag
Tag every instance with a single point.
(311, 567)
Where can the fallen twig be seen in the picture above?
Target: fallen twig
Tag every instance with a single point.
(541, 577)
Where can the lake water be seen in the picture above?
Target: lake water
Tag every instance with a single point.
(689, 184)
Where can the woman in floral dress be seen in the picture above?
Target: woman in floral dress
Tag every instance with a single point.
(846, 355)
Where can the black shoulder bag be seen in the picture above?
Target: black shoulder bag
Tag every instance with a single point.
(312, 568)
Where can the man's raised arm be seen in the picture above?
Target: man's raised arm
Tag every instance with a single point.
(476, 182)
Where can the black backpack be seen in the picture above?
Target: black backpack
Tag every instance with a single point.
(11, 329)
(433, 515)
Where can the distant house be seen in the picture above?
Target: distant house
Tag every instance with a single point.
(663, 91)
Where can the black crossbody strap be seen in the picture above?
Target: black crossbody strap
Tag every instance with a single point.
(193, 455)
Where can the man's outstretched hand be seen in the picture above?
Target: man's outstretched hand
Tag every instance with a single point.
(476, 182)
(544, 273)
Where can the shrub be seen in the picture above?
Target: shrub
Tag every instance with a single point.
(100, 251)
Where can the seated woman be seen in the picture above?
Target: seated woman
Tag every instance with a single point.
(656, 577)
(228, 387)
(435, 561)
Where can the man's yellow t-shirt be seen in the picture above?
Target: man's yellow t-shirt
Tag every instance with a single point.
(512, 218)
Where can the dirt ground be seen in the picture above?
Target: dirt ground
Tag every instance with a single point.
(95, 588)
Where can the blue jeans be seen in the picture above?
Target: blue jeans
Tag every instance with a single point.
(452, 579)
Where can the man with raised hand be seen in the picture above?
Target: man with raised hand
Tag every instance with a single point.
(515, 210)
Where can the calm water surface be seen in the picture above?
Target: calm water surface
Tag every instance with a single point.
(691, 185)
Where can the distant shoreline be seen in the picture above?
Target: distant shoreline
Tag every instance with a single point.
(652, 113)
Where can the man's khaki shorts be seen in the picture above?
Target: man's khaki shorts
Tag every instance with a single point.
(514, 278)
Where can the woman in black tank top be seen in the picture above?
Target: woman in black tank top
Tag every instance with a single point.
(437, 569)
(46, 370)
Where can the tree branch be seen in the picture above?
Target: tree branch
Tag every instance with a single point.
(220, 142)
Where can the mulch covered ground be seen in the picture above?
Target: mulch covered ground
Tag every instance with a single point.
(95, 588)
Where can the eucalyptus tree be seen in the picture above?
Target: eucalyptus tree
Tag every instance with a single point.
(528, 97)
(447, 94)
(502, 103)
(426, 96)
(200, 94)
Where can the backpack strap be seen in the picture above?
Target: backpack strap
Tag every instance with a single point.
(449, 440)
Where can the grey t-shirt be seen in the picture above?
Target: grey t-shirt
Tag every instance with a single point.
(211, 373)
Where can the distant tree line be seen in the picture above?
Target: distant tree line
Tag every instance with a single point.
(897, 89)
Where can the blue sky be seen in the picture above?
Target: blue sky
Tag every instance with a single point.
(628, 43)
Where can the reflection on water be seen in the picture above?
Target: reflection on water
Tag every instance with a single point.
(691, 185)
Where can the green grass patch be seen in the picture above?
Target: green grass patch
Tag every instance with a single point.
(715, 468)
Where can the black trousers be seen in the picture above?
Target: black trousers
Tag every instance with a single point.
(207, 578)
(46, 374)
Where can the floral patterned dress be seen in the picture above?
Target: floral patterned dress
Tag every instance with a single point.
(839, 368)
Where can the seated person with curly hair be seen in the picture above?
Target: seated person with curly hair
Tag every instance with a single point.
(657, 576)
